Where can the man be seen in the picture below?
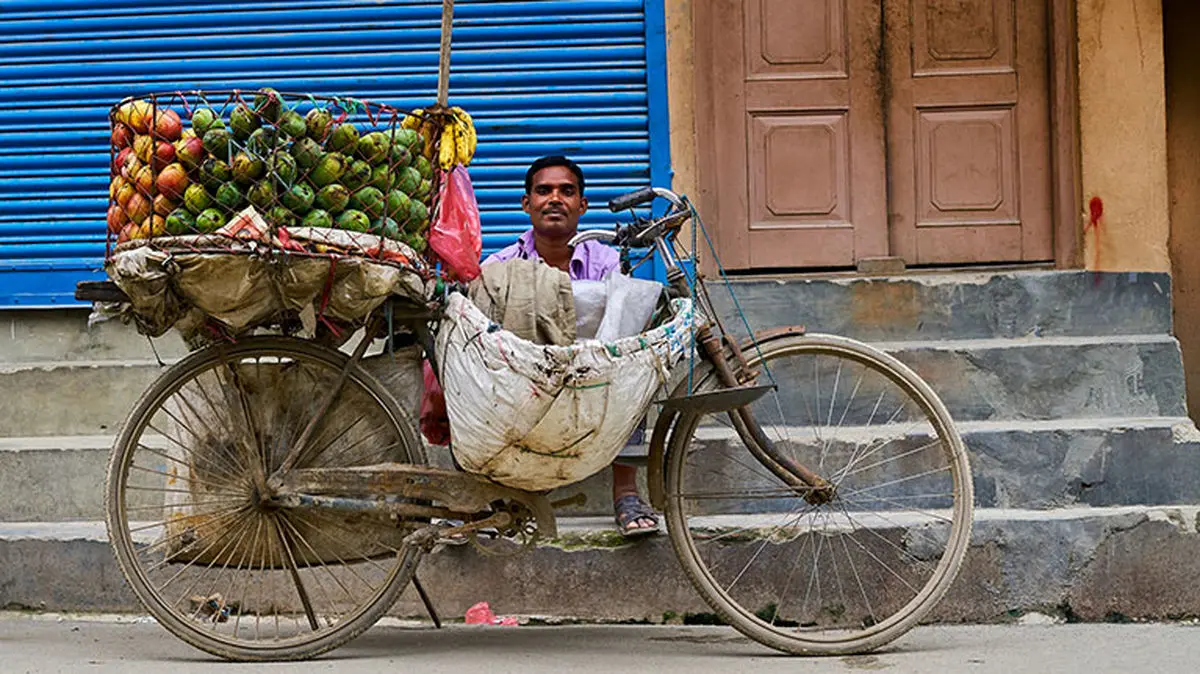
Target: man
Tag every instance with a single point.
(554, 201)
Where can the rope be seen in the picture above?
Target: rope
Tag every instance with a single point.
(443, 91)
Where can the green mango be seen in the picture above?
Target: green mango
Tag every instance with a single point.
(408, 180)
(344, 138)
(283, 167)
(262, 195)
(247, 168)
(328, 169)
(424, 168)
(243, 122)
(386, 227)
(357, 174)
(307, 152)
(180, 221)
(210, 221)
(374, 147)
(354, 221)
(299, 198)
(216, 143)
(382, 178)
(214, 173)
(317, 218)
(397, 205)
(196, 199)
(268, 103)
(368, 200)
(230, 197)
(204, 119)
(418, 217)
(291, 124)
(280, 216)
(317, 124)
(333, 198)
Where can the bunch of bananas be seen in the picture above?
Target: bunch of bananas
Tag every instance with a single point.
(456, 131)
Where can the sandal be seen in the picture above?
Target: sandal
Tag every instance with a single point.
(628, 510)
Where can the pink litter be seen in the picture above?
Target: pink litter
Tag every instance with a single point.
(481, 614)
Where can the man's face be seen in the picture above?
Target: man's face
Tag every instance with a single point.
(554, 203)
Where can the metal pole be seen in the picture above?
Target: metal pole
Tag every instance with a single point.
(443, 93)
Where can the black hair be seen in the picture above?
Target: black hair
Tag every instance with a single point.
(552, 160)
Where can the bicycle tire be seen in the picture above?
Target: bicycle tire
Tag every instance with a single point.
(305, 547)
(900, 521)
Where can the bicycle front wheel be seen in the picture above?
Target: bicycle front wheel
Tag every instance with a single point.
(843, 576)
(212, 558)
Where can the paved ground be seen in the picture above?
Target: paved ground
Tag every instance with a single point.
(64, 644)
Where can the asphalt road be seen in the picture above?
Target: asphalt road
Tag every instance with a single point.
(59, 644)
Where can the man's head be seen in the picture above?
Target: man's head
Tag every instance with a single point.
(554, 197)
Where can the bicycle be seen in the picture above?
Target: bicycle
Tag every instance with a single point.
(269, 499)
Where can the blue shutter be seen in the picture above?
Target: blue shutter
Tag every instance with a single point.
(585, 78)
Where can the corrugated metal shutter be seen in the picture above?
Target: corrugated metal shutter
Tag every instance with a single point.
(541, 77)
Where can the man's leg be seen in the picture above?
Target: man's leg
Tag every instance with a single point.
(625, 484)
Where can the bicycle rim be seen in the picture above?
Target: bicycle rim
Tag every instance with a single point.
(214, 563)
(847, 576)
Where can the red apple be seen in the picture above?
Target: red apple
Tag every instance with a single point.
(130, 166)
(116, 219)
(164, 153)
(143, 147)
(125, 192)
(172, 181)
(122, 135)
(119, 160)
(138, 208)
(189, 151)
(167, 125)
(163, 205)
(143, 180)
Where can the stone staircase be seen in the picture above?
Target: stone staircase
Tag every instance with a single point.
(1068, 388)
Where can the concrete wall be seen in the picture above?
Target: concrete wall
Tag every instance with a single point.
(1180, 19)
(1122, 120)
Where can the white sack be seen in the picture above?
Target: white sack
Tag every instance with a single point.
(539, 417)
(630, 303)
(590, 299)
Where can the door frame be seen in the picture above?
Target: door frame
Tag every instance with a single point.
(1066, 189)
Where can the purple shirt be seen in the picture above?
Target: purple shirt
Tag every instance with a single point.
(590, 261)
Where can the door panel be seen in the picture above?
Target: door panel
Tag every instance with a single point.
(968, 131)
(798, 154)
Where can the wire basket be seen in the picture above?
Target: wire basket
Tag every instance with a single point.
(306, 174)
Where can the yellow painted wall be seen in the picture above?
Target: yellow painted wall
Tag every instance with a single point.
(681, 87)
(1122, 120)
(1181, 17)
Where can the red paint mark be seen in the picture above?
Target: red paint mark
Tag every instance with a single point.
(1095, 215)
(1096, 208)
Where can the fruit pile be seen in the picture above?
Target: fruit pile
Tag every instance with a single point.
(299, 161)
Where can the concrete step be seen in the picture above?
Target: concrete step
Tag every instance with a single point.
(978, 379)
(64, 335)
(958, 304)
(913, 306)
(1080, 563)
(1016, 464)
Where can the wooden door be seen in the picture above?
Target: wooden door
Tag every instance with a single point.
(791, 139)
(968, 131)
(833, 130)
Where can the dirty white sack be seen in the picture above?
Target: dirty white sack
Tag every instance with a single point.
(538, 417)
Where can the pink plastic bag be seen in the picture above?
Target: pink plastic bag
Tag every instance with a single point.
(456, 237)
(434, 422)
(481, 614)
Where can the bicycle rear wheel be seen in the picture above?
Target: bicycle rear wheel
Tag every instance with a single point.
(201, 544)
(849, 575)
